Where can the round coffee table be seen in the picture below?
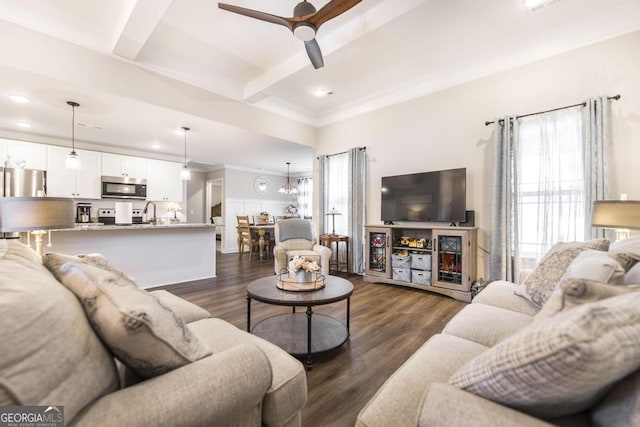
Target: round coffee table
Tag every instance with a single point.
(294, 331)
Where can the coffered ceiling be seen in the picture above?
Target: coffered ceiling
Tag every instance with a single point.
(142, 68)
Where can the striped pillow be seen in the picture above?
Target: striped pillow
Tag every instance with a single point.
(560, 365)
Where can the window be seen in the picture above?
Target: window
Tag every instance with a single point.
(550, 191)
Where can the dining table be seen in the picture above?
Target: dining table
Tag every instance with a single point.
(261, 230)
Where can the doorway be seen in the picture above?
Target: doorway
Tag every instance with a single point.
(214, 207)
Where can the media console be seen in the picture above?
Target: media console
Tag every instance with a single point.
(436, 259)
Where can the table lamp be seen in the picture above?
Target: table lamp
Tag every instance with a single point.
(619, 214)
(333, 212)
(36, 215)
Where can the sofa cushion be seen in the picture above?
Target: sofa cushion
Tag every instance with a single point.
(538, 286)
(288, 391)
(574, 291)
(50, 355)
(621, 406)
(485, 324)
(501, 294)
(397, 403)
(140, 331)
(560, 365)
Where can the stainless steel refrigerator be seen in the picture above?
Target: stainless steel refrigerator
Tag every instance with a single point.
(16, 182)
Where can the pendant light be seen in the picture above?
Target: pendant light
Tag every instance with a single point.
(288, 188)
(185, 174)
(73, 160)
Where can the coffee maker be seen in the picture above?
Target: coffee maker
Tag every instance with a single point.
(83, 213)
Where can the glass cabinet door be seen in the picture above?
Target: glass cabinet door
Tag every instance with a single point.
(451, 259)
(378, 252)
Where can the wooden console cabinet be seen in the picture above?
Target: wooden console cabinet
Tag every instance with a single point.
(437, 259)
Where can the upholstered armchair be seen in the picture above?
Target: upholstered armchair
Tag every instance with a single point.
(298, 237)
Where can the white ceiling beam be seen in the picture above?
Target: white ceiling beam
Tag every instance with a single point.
(386, 11)
(138, 25)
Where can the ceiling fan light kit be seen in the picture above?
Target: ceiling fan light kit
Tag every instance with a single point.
(304, 24)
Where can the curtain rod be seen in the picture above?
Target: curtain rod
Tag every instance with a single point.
(344, 152)
(582, 104)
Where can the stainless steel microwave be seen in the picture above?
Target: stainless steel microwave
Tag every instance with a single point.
(118, 187)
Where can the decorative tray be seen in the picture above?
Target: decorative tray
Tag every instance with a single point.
(299, 282)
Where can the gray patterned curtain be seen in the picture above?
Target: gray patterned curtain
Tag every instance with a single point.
(597, 142)
(357, 185)
(503, 264)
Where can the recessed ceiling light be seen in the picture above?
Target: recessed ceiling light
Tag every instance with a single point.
(22, 124)
(322, 92)
(18, 98)
(179, 131)
(534, 5)
(156, 146)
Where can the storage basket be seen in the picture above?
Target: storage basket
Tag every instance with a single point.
(421, 277)
(400, 261)
(402, 274)
(421, 261)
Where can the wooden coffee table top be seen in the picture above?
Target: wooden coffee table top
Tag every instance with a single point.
(265, 290)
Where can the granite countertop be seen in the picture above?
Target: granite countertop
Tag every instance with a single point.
(102, 227)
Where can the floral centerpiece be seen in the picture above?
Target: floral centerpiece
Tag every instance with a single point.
(302, 275)
(299, 263)
(303, 268)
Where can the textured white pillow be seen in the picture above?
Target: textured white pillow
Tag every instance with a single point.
(139, 330)
(573, 292)
(560, 365)
(539, 285)
(603, 267)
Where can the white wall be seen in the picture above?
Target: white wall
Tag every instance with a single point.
(446, 129)
(195, 209)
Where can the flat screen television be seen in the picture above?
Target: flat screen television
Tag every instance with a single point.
(438, 196)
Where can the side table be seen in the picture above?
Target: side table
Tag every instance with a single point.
(328, 240)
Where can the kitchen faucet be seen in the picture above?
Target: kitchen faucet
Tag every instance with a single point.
(153, 220)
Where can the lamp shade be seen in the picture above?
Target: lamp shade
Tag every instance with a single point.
(616, 214)
(35, 213)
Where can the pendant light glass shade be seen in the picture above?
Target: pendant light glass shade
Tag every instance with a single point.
(73, 160)
(185, 173)
(288, 188)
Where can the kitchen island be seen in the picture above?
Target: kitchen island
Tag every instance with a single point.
(154, 255)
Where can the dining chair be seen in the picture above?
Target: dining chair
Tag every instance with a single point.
(247, 240)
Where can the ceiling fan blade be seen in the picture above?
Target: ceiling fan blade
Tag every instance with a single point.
(274, 19)
(331, 10)
(315, 54)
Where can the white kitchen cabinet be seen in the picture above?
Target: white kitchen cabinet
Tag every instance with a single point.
(163, 181)
(63, 182)
(119, 165)
(33, 155)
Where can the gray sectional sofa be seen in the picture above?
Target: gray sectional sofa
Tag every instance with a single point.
(52, 355)
(486, 369)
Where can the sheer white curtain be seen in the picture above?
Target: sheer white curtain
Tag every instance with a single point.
(336, 192)
(305, 197)
(551, 194)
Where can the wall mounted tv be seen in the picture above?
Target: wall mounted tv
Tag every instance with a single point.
(438, 196)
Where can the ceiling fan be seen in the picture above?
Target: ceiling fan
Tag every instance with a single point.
(304, 24)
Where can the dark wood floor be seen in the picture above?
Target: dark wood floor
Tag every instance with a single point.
(387, 325)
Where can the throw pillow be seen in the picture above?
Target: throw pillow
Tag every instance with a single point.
(538, 286)
(139, 330)
(560, 365)
(576, 291)
(294, 229)
(604, 267)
